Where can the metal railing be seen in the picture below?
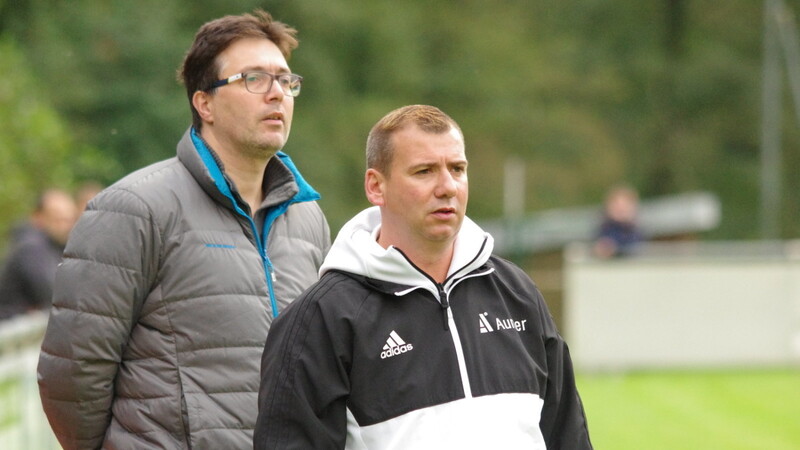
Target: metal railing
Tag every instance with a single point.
(23, 425)
(666, 216)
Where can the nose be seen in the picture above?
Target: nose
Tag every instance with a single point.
(447, 186)
(275, 92)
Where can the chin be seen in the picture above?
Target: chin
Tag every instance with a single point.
(268, 148)
(443, 236)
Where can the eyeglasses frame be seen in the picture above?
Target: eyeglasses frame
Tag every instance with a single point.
(242, 75)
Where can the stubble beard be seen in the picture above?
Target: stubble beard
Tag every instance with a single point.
(262, 149)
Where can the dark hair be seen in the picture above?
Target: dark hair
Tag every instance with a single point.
(379, 145)
(200, 68)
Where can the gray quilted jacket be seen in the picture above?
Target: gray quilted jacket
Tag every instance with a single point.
(163, 302)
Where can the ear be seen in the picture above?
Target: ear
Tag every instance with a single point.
(203, 103)
(373, 187)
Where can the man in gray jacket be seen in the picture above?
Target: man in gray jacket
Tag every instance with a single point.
(172, 276)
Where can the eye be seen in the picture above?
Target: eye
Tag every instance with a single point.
(290, 83)
(254, 77)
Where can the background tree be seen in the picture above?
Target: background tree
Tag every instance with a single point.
(37, 150)
(664, 95)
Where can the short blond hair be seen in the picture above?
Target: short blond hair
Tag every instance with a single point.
(379, 142)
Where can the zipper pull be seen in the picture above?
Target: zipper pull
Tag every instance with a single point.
(271, 270)
(445, 303)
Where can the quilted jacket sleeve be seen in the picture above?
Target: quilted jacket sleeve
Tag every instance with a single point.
(107, 271)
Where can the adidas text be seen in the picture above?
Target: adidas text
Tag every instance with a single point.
(396, 351)
(395, 345)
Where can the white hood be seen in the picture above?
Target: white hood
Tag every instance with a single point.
(356, 250)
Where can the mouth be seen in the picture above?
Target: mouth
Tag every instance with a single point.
(446, 211)
(276, 116)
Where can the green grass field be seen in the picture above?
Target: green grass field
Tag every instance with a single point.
(730, 410)
(751, 410)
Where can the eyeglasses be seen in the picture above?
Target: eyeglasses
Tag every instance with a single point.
(261, 82)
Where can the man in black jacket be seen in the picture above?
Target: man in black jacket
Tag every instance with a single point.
(416, 336)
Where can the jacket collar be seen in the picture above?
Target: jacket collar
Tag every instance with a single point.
(282, 182)
(357, 251)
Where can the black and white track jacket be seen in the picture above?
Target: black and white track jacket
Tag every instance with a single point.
(377, 355)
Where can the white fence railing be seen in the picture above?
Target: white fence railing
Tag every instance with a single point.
(23, 425)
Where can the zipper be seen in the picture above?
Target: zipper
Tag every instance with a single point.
(271, 278)
(445, 304)
(447, 314)
(269, 270)
(213, 165)
(462, 362)
(452, 329)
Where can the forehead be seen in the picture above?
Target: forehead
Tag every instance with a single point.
(413, 143)
(252, 53)
(58, 204)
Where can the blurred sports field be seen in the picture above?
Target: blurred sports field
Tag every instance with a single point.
(734, 410)
(753, 409)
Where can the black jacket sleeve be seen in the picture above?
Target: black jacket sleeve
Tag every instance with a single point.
(563, 421)
(304, 381)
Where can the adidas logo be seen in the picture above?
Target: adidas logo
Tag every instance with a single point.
(394, 346)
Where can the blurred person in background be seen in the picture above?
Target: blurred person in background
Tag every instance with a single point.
(173, 275)
(416, 336)
(26, 280)
(618, 233)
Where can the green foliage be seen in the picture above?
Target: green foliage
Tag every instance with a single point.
(36, 147)
(115, 64)
(664, 95)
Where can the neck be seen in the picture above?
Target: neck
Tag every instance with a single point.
(244, 168)
(435, 266)
(434, 260)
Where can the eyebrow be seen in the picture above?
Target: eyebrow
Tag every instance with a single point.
(255, 68)
(459, 162)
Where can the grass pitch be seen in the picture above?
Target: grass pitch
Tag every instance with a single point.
(693, 410)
